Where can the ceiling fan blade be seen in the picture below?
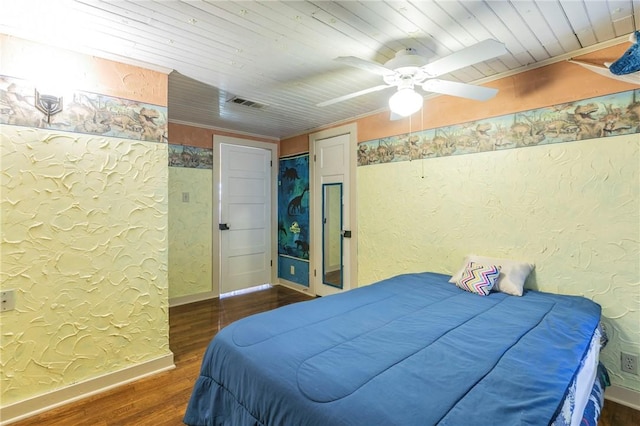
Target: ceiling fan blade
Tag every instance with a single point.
(372, 67)
(353, 95)
(462, 90)
(479, 52)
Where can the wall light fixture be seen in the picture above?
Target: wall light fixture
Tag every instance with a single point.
(48, 104)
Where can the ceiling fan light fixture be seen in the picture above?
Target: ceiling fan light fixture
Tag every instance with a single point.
(405, 102)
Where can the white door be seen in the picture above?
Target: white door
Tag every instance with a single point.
(333, 214)
(244, 217)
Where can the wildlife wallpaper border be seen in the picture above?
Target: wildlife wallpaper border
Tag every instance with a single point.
(82, 112)
(293, 219)
(190, 157)
(603, 116)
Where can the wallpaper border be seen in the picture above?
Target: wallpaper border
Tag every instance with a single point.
(191, 157)
(600, 117)
(83, 112)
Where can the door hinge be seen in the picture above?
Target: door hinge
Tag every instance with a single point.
(314, 272)
(271, 163)
(314, 158)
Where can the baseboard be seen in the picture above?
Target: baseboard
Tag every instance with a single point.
(295, 286)
(623, 396)
(209, 295)
(30, 407)
(192, 298)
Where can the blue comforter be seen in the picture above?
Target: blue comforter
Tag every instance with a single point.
(410, 350)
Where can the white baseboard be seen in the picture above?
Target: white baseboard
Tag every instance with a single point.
(30, 407)
(209, 295)
(623, 396)
(295, 286)
(192, 298)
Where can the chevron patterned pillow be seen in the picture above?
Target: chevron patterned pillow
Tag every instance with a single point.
(478, 279)
(513, 273)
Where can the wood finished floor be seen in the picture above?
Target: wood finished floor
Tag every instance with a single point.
(162, 399)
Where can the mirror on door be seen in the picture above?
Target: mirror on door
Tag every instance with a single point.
(332, 234)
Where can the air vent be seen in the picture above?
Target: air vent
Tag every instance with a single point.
(244, 102)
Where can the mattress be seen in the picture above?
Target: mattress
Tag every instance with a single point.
(409, 350)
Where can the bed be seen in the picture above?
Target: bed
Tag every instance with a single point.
(410, 350)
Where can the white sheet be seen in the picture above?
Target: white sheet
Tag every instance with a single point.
(578, 395)
(586, 378)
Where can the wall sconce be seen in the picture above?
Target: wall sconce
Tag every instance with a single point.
(48, 104)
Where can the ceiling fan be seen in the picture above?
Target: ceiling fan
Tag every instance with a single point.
(408, 69)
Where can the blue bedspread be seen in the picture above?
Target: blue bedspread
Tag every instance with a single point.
(410, 350)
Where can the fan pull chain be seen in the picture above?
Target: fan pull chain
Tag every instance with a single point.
(422, 130)
(409, 139)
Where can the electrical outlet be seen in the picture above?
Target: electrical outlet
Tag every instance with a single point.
(185, 197)
(7, 300)
(292, 269)
(629, 363)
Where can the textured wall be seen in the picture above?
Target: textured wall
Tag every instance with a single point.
(573, 209)
(201, 137)
(190, 231)
(24, 59)
(84, 243)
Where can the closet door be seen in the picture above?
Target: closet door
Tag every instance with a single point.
(245, 222)
(334, 236)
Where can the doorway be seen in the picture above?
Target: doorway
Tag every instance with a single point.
(333, 214)
(244, 233)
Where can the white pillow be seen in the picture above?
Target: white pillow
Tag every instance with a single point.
(513, 273)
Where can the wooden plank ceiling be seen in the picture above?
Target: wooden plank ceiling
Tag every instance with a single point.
(280, 54)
